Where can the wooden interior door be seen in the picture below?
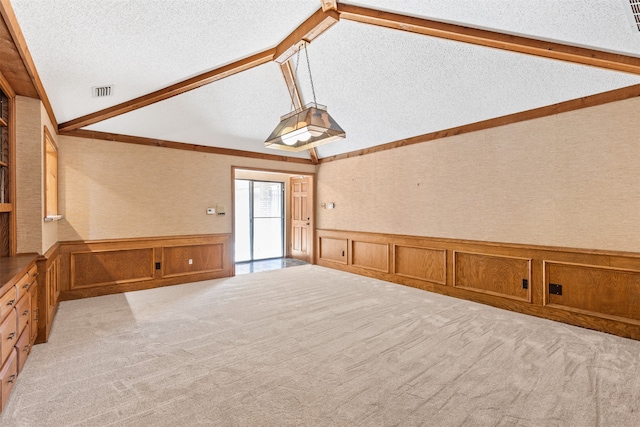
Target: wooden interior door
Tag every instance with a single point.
(302, 218)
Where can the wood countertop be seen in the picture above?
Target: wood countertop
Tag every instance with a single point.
(13, 268)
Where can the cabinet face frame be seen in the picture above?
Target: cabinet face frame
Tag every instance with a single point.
(10, 248)
(50, 150)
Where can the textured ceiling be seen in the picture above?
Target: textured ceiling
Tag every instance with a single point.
(141, 46)
(381, 85)
(407, 84)
(599, 24)
(238, 112)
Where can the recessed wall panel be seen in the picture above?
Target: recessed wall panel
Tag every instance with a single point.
(493, 274)
(334, 250)
(596, 290)
(181, 260)
(372, 256)
(89, 269)
(421, 263)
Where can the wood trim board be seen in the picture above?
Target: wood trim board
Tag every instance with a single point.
(536, 113)
(170, 91)
(493, 39)
(114, 137)
(11, 22)
(309, 30)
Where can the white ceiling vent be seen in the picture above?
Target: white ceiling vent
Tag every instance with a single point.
(102, 91)
(633, 12)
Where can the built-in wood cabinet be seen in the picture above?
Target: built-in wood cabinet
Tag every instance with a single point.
(7, 172)
(47, 296)
(18, 331)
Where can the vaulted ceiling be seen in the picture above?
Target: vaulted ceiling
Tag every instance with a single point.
(381, 84)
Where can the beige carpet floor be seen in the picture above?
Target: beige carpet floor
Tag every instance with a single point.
(313, 346)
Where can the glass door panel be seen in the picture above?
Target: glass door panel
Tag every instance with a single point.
(259, 215)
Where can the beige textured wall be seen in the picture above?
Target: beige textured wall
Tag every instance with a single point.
(33, 234)
(49, 229)
(29, 214)
(116, 190)
(568, 180)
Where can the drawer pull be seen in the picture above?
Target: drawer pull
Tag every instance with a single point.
(11, 335)
(36, 275)
(12, 378)
(26, 285)
(26, 348)
(25, 313)
(10, 303)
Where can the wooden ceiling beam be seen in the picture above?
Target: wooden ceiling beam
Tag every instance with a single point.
(313, 154)
(536, 113)
(309, 30)
(315, 25)
(545, 49)
(292, 87)
(105, 136)
(11, 22)
(329, 5)
(170, 91)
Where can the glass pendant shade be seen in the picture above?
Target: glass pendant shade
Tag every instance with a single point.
(305, 128)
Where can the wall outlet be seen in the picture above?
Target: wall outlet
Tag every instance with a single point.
(190, 261)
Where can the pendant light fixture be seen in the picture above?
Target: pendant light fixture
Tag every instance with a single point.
(306, 127)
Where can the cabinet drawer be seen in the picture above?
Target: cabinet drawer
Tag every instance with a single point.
(8, 375)
(8, 335)
(23, 312)
(7, 302)
(33, 273)
(22, 349)
(22, 286)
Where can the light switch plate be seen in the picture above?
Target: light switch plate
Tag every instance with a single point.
(211, 211)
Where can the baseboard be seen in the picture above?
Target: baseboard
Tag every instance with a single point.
(94, 268)
(598, 287)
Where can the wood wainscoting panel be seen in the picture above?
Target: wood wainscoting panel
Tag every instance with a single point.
(600, 288)
(494, 275)
(91, 269)
(610, 293)
(333, 250)
(183, 260)
(420, 263)
(102, 267)
(372, 256)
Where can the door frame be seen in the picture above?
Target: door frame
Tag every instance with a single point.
(312, 246)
